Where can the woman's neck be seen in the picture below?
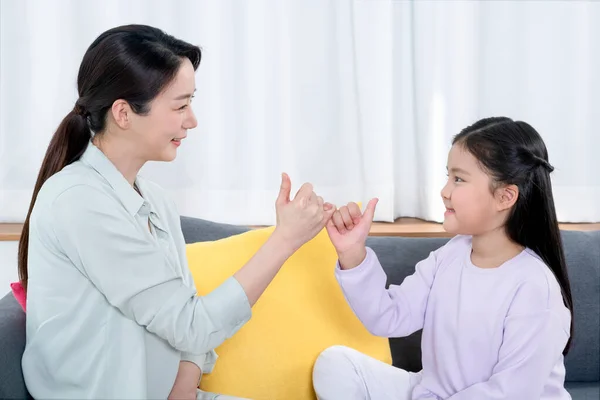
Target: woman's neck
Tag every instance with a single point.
(493, 248)
(121, 155)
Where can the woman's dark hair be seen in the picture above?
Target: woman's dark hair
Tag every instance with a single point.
(133, 63)
(513, 152)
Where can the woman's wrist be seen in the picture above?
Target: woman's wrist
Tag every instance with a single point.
(283, 244)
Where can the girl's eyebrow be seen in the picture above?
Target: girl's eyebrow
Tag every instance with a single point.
(461, 171)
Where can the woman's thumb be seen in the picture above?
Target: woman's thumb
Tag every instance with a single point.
(284, 190)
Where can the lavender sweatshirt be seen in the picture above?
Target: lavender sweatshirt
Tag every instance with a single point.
(487, 333)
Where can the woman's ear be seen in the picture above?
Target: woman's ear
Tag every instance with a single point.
(121, 112)
(506, 196)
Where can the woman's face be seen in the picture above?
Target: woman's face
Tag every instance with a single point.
(161, 131)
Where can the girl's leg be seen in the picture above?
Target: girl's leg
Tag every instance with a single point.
(346, 374)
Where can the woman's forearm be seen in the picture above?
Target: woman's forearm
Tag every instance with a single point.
(186, 382)
(260, 270)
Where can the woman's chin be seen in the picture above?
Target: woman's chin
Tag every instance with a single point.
(166, 156)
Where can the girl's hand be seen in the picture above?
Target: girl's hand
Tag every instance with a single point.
(348, 230)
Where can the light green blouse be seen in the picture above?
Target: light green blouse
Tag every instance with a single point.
(111, 304)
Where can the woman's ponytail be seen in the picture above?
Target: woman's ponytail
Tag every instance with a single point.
(66, 146)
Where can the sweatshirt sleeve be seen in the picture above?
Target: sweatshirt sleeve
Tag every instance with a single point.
(394, 312)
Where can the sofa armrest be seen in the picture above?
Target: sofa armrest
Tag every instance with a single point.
(12, 344)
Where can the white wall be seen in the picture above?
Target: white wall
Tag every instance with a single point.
(8, 265)
(316, 89)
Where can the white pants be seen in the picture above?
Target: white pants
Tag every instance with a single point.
(346, 374)
(201, 395)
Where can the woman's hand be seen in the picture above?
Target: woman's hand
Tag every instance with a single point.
(300, 219)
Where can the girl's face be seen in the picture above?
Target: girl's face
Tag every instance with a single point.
(472, 208)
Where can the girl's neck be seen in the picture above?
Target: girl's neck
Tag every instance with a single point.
(493, 248)
(120, 154)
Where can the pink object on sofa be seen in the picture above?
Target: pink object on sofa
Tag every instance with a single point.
(19, 293)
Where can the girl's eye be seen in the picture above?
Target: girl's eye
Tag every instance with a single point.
(457, 179)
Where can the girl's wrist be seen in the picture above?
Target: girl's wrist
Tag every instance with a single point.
(352, 258)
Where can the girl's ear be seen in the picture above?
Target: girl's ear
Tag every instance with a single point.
(506, 196)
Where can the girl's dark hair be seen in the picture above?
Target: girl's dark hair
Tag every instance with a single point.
(133, 63)
(513, 152)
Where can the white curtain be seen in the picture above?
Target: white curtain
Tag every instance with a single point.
(361, 98)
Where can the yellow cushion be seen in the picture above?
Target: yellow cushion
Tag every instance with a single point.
(300, 314)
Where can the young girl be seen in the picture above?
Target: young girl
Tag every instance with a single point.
(112, 311)
(494, 303)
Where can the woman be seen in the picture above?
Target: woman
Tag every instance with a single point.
(112, 311)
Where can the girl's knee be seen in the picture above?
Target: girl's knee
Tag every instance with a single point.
(333, 359)
(333, 371)
(334, 355)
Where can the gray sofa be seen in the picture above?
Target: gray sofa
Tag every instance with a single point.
(398, 256)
